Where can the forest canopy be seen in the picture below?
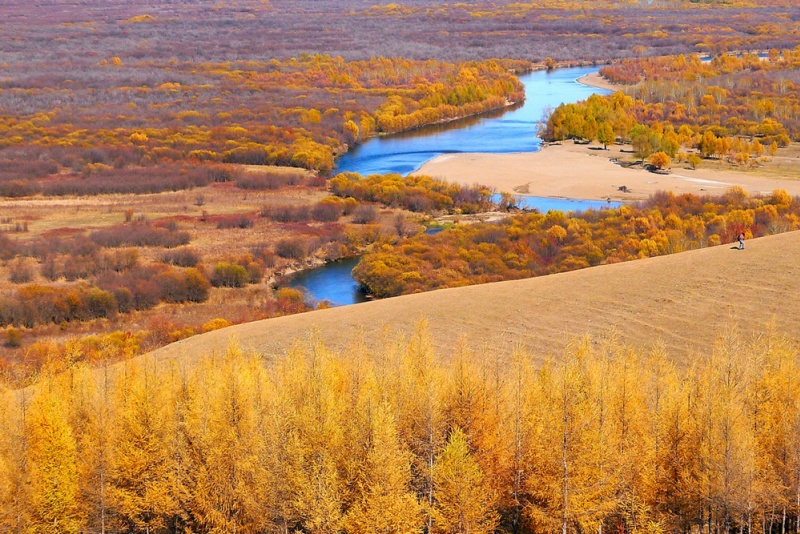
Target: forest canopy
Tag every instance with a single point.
(392, 437)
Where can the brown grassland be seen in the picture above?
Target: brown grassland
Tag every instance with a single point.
(644, 302)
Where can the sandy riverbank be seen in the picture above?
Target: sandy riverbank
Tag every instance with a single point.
(569, 170)
(579, 171)
(594, 79)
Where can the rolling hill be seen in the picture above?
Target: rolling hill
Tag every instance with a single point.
(684, 300)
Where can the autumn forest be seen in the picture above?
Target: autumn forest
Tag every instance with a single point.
(392, 438)
(166, 167)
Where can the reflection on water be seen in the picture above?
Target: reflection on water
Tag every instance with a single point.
(501, 132)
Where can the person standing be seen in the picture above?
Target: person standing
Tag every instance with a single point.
(741, 241)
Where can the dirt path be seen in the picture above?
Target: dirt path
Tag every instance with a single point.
(684, 300)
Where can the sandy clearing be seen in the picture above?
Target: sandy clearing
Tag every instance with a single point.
(579, 171)
(683, 300)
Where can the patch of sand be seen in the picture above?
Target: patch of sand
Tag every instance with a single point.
(571, 170)
(684, 300)
(593, 79)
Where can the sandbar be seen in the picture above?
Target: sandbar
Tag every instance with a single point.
(594, 79)
(579, 171)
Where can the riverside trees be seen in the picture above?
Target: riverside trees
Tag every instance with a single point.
(727, 108)
(533, 244)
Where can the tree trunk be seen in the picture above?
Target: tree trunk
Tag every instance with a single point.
(431, 458)
(565, 465)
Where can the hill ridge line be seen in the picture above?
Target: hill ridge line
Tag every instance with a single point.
(681, 299)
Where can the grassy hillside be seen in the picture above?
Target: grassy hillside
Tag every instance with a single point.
(324, 437)
(683, 300)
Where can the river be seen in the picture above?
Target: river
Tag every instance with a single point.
(501, 132)
(332, 282)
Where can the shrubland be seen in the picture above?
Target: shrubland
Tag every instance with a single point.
(392, 436)
(168, 262)
(123, 94)
(117, 31)
(210, 112)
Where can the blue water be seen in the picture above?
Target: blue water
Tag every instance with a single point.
(332, 282)
(545, 204)
(499, 132)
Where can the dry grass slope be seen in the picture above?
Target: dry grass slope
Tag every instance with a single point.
(683, 300)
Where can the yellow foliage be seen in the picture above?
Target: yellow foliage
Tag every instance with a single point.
(215, 324)
(289, 293)
(138, 137)
(349, 441)
(139, 19)
(54, 504)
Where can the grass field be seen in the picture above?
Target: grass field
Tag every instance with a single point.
(683, 301)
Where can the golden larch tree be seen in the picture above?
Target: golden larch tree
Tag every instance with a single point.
(421, 421)
(224, 463)
(316, 386)
(14, 509)
(142, 475)
(385, 502)
(52, 464)
(465, 502)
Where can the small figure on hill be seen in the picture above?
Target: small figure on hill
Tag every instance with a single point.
(741, 241)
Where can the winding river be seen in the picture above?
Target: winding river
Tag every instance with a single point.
(501, 132)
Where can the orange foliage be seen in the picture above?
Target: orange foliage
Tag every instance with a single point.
(535, 244)
(415, 193)
(233, 123)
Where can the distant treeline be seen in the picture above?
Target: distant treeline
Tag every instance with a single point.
(415, 29)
